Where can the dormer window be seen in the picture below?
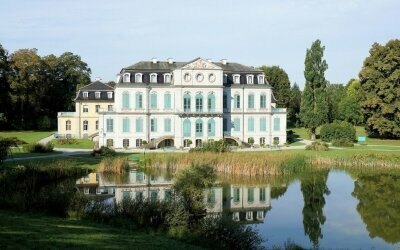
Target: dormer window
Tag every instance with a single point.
(167, 78)
(109, 95)
(138, 77)
(260, 79)
(250, 79)
(236, 79)
(127, 77)
(153, 78)
(97, 95)
(86, 95)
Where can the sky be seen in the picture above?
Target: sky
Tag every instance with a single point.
(110, 35)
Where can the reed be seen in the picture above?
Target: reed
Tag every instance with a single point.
(115, 165)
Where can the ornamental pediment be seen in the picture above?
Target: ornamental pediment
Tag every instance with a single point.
(200, 64)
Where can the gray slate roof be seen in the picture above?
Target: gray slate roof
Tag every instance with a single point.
(97, 85)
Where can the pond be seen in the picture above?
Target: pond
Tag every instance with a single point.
(333, 209)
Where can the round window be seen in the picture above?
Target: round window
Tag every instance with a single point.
(199, 77)
(187, 77)
(211, 77)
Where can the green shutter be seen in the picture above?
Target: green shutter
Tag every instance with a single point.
(186, 128)
(211, 127)
(211, 103)
(250, 194)
(167, 125)
(138, 101)
(125, 100)
(153, 101)
(236, 124)
(251, 101)
(250, 124)
(167, 100)
(263, 101)
(277, 124)
(125, 125)
(263, 124)
(139, 125)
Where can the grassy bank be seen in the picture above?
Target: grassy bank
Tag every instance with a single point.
(75, 143)
(27, 136)
(27, 231)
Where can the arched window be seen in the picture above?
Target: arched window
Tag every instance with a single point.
(199, 102)
(250, 79)
(260, 79)
(211, 127)
(167, 78)
(236, 79)
(127, 77)
(68, 125)
(139, 100)
(186, 128)
(125, 100)
(138, 77)
(211, 102)
(153, 100)
(85, 125)
(186, 103)
(199, 128)
(153, 78)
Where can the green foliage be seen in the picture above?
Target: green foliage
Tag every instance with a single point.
(279, 80)
(314, 106)
(342, 143)
(39, 148)
(213, 146)
(104, 151)
(44, 123)
(294, 107)
(67, 141)
(379, 79)
(337, 131)
(335, 93)
(318, 146)
(5, 98)
(5, 148)
(350, 104)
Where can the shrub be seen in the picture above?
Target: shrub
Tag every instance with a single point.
(5, 145)
(217, 147)
(39, 148)
(342, 143)
(104, 151)
(290, 136)
(44, 123)
(318, 146)
(337, 131)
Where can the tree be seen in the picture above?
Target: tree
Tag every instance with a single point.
(280, 83)
(380, 83)
(350, 105)
(335, 93)
(314, 105)
(5, 101)
(294, 106)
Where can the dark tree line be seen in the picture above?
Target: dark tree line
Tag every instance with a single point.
(34, 88)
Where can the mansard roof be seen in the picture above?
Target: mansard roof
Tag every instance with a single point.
(96, 86)
(92, 88)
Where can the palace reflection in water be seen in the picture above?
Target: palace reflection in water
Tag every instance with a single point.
(245, 203)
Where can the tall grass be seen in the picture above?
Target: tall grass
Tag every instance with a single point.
(115, 165)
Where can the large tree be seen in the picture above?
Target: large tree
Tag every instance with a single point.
(5, 109)
(294, 106)
(335, 93)
(380, 83)
(279, 80)
(350, 104)
(314, 105)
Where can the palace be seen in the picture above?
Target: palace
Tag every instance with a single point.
(184, 104)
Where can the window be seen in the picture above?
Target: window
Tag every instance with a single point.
(250, 194)
(167, 78)
(139, 101)
(127, 77)
(186, 102)
(225, 101)
(97, 95)
(237, 101)
(139, 196)
(211, 102)
(277, 124)
(125, 100)
(153, 195)
(236, 194)
(138, 143)
(260, 215)
(199, 102)
(199, 143)
(199, 127)
(250, 101)
(262, 140)
(126, 195)
(260, 79)
(186, 128)
(167, 125)
(125, 143)
(153, 78)
(199, 77)
(249, 215)
(110, 143)
(153, 125)
(126, 125)
(139, 177)
(85, 108)
(211, 77)
(262, 194)
(211, 196)
(68, 125)
(139, 125)
(236, 124)
(187, 77)
(167, 194)
(109, 95)
(186, 143)
(276, 140)
(110, 125)
(85, 125)
(97, 108)
(167, 100)
(263, 124)
(110, 108)
(236, 79)
(225, 124)
(250, 124)
(85, 95)
(153, 100)
(250, 79)
(138, 77)
(263, 101)
(97, 124)
(211, 127)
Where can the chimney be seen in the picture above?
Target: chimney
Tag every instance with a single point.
(96, 79)
(154, 60)
(223, 61)
(170, 60)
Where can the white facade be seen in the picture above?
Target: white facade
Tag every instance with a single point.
(195, 104)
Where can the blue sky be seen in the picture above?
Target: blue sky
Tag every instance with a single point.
(109, 35)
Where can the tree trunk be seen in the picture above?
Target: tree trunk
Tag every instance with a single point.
(313, 134)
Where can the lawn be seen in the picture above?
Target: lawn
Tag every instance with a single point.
(27, 136)
(28, 231)
(75, 143)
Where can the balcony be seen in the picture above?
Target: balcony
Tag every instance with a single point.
(278, 110)
(66, 114)
(198, 112)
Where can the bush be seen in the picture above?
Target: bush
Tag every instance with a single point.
(39, 148)
(104, 151)
(318, 146)
(67, 141)
(44, 123)
(217, 147)
(342, 143)
(337, 131)
(5, 145)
